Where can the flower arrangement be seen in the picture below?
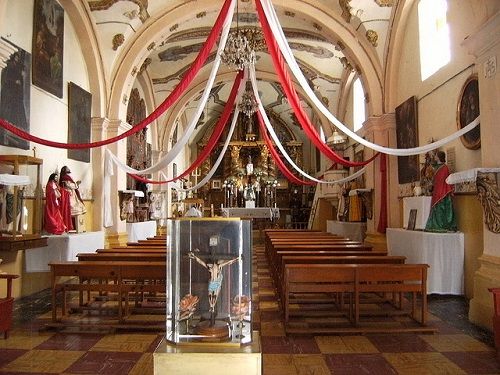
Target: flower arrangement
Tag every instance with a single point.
(187, 306)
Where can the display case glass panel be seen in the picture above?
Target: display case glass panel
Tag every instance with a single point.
(209, 280)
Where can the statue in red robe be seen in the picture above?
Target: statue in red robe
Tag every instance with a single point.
(71, 201)
(442, 216)
(53, 221)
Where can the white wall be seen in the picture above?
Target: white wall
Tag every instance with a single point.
(48, 113)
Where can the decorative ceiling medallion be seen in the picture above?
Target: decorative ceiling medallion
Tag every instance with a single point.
(118, 40)
(372, 37)
(151, 46)
(289, 14)
(201, 14)
(174, 27)
(346, 64)
(317, 26)
(384, 3)
(106, 4)
(145, 64)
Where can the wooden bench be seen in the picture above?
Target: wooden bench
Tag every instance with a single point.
(122, 257)
(118, 278)
(355, 279)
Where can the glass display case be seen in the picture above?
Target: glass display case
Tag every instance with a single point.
(209, 280)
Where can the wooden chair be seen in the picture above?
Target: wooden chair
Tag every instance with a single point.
(6, 305)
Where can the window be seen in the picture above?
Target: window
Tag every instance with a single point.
(358, 105)
(434, 36)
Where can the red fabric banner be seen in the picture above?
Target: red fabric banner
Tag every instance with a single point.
(293, 98)
(214, 138)
(172, 98)
(382, 219)
(283, 168)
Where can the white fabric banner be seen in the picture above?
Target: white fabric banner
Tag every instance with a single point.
(292, 63)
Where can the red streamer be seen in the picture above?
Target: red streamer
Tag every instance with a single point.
(286, 83)
(283, 168)
(382, 221)
(214, 138)
(172, 98)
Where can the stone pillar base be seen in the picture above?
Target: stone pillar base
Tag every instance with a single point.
(481, 308)
(115, 239)
(377, 240)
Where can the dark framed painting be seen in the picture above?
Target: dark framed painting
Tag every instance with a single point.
(359, 156)
(15, 97)
(412, 219)
(79, 117)
(48, 46)
(407, 137)
(467, 111)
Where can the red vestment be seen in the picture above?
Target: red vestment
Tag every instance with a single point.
(53, 221)
(441, 189)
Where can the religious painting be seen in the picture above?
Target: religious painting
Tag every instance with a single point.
(15, 97)
(359, 157)
(138, 156)
(468, 110)
(406, 134)
(79, 113)
(48, 46)
(412, 219)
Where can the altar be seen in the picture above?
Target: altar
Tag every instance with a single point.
(443, 252)
(271, 213)
(62, 247)
(355, 231)
(141, 230)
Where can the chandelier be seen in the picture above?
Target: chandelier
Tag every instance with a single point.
(238, 53)
(248, 104)
(336, 140)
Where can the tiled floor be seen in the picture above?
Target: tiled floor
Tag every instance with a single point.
(458, 347)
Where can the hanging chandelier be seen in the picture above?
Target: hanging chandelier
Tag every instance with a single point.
(248, 104)
(238, 53)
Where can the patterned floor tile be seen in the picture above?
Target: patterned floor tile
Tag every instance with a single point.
(62, 341)
(8, 355)
(455, 343)
(314, 364)
(422, 363)
(475, 362)
(400, 343)
(105, 363)
(125, 343)
(144, 365)
(278, 364)
(22, 339)
(272, 329)
(350, 364)
(289, 345)
(44, 361)
(345, 344)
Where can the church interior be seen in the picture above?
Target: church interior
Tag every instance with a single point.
(271, 187)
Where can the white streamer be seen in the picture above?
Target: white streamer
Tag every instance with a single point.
(174, 151)
(226, 143)
(292, 63)
(280, 146)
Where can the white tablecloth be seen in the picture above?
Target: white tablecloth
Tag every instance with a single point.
(255, 213)
(353, 231)
(443, 252)
(422, 205)
(62, 248)
(141, 230)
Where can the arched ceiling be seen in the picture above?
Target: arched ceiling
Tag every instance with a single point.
(325, 36)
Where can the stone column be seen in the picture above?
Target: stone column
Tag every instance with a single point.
(382, 131)
(103, 128)
(485, 46)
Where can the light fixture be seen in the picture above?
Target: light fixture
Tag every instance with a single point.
(238, 52)
(336, 139)
(248, 104)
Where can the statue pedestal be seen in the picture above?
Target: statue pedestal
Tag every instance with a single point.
(249, 204)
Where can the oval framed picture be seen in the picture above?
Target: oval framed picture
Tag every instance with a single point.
(467, 111)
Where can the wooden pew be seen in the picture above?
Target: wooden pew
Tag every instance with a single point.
(122, 257)
(355, 279)
(127, 277)
(133, 250)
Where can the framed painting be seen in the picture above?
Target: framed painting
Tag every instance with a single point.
(412, 219)
(48, 46)
(79, 117)
(406, 134)
(15, 97)
(467, 111)
(216, 184)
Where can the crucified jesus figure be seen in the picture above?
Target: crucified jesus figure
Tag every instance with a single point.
(215, 282)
